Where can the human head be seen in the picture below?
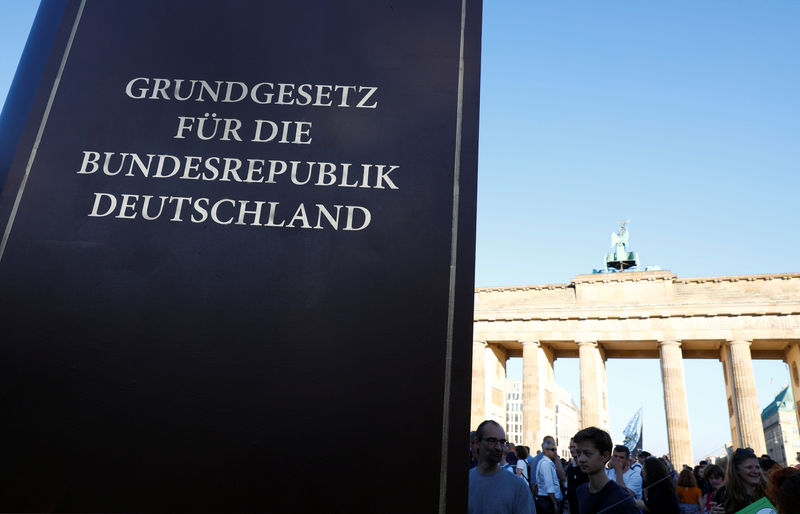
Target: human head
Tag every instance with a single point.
(698, 471)
(481, 430)
(766, 462)
(598, 438)
(492, 442)
(743, 478)
(549, 448)
(511, 454)
(788, 495)
(593, 449)
(714, 475)
(776, 480)
(551, 452)
(522, 453)
(747, 466)
(654, 472)
(621, 448)
(473, 441)
(713, 471)
(642, 456)
(573, 448)
(686, 478)
(621, 455)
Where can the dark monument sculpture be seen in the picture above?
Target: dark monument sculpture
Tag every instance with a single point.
(237, 257)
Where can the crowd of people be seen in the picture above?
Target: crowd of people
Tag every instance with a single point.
(602, 478)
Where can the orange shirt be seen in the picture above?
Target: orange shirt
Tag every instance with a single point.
(690, 495)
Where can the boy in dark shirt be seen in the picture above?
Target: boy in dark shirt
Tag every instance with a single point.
(575, 477)
(600, 494)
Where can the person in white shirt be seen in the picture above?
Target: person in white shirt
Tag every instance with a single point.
(522, 463)
(533, 463)
(630, 479)
(548, 486)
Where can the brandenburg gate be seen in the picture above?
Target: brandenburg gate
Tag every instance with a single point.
(635, 314)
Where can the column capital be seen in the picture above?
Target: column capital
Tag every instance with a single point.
(587, 343)
(481, 343)
(533, 342)
(666, 342)
(732, 342)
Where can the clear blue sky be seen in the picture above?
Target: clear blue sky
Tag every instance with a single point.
(682, 116)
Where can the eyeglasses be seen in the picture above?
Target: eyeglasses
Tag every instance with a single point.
(493, 441)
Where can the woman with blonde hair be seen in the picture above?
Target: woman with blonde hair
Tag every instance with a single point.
(689, 495)
(744, 483)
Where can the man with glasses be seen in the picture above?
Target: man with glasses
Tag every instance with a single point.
(548, 486)
(562, 476)
(492, 490)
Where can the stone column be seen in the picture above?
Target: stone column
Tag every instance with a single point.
(729, 395)
(496, 383)
(531, 410)
(748, 415)
(547, 392)
(605, 419)
(678, 435)
(478, 407)
(590, 393)
(792, 359)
